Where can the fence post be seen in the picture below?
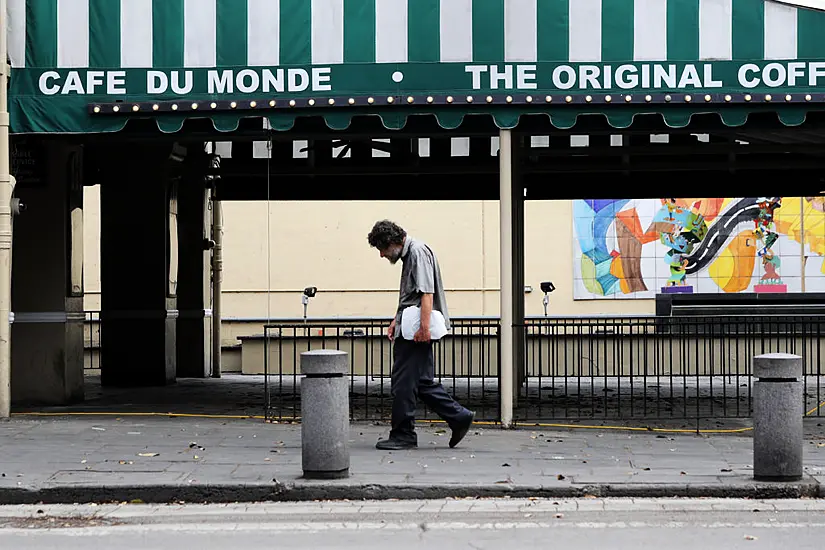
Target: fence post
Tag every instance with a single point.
(324, 414)
(778, 411)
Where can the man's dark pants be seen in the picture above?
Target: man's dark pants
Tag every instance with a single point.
(413, 371)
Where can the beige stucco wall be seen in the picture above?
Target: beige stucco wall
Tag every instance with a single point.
(324, 244)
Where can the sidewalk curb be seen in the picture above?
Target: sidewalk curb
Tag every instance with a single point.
(297, 492)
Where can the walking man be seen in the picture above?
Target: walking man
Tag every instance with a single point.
(413, 367)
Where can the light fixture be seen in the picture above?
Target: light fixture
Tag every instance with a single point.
(768, 97)
(272, 103)
(116, 108)
(292, 103)
(648, 98)
(548, 99)
(529, 99)
(808, 97)
(469, 99)
(688, 99)
(351, 101)
(194, 106)
(568, 99)
(588, 99)
(175, 107)
(331, 101)
(390, 99)
(449, 99)
(311, 102)
(370, 100)
(728, 98)
(213, 105)
(430, 99)
(628, 99)
(233, 105)
(155, 107)
(668, 98)
(608, 98)
(136, 108)
(707, 97)
(489, 99)
(253, 104)
(509, 99)
(747, 97)
(410, 99)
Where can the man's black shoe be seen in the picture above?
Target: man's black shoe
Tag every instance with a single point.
(459, 433)
(395, 445)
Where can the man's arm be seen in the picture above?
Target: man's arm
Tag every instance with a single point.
(423, 334)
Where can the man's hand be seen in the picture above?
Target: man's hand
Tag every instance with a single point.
(422, 335)
(391, 331)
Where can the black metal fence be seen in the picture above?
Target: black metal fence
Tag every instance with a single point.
(466, 362)
(652, 368)
(659, 367)
(644, 367)
(91, 341)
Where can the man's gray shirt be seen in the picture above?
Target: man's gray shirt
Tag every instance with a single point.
(420, 274)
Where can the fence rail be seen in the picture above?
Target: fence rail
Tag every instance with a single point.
(599, 368)
(641, 367)
(466, 361)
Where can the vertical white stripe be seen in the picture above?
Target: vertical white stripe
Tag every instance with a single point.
(73, 33)
(327, 31)
(520, 29)
(586, 30)
(16, 27)
(199, 33)
(780, 31)
(715, 29)
(391, 31)
(650, 30)
(456, 30)
(135, 33)
(264, 28)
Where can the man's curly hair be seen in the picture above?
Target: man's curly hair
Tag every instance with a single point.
(386, 233)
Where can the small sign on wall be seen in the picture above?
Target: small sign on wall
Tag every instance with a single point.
(27, 163)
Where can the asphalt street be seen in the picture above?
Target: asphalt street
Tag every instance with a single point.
(466, 523)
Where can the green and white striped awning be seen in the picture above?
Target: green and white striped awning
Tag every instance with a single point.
(89, 65)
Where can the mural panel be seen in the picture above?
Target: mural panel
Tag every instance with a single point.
(638, 248)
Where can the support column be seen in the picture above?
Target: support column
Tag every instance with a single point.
(139, 264)
(194, 330)
(511, 233)
(47, 283)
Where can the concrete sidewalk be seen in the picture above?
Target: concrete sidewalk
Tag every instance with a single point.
(158, 459)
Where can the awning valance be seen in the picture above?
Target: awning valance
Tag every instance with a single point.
(82, 66)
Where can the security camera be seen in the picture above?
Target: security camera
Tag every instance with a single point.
(310, 291)
(547, 287)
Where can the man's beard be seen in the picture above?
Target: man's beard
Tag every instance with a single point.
(396, 255)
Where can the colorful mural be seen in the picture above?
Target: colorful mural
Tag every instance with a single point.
(638, 248)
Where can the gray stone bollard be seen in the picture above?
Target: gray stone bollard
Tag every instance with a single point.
(325, 414)
(778, 410)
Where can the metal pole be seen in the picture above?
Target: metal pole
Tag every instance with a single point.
(506, 277)
(802, 240)
(6, 191)
(217, 270)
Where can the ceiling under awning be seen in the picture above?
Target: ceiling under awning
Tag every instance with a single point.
(89, 66)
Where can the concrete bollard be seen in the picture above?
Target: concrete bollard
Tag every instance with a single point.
(324, 414)
(778, 410)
